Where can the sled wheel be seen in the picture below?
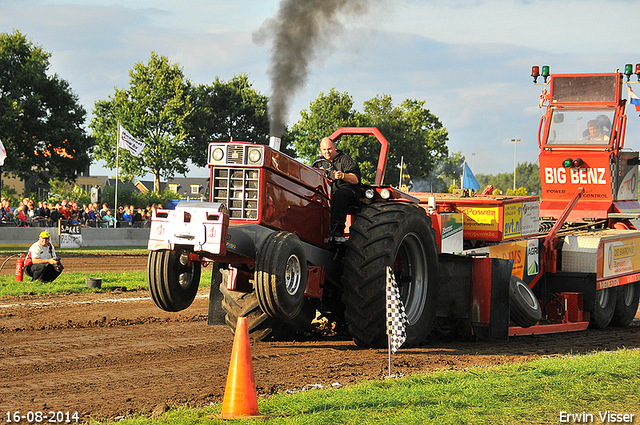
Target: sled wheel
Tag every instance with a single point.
(525, 308)
(261, 326)
(281, 275)
(400, 235)
(173, 279)
(627, 298)
(605, 306)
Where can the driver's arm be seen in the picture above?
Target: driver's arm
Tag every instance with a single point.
(348, 177)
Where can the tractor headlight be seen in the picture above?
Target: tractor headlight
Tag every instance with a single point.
(369, 193)
(385, 194)
(255, 155)
(218, 154)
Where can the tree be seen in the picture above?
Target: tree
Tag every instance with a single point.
(155, 110)
(527, 178)
(324, 116)
(226, 110)
(64, 190)
(444, 174)
(412, 131)
(40, 117)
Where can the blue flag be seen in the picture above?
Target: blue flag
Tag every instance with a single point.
(468, 179)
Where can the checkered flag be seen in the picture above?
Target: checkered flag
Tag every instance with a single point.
(396, 317)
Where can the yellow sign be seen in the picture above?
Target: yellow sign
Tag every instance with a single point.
(516, 251)
(620, 257)
(479, 217)
(512, 220)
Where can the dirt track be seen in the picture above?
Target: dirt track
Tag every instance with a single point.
(113, 354)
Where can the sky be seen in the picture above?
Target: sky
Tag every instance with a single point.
(469, 60)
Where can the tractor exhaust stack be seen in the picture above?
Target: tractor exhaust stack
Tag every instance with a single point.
(274, 142)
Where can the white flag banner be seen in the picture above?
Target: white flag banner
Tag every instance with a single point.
(128, 142)
(396, 316)
(3, 153)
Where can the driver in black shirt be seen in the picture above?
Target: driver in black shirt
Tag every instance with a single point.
(344, 173)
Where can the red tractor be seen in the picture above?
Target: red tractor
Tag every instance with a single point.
(265, 229)
(482, 265)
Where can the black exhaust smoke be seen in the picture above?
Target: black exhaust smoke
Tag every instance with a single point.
(298, 33)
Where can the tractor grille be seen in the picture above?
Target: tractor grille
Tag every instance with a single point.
(238, 189)
(235, 154)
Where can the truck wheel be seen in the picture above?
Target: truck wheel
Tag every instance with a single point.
(400, 235)
(281, 275)
(627, 298)
(260, 325)
(173, 280)
(604, 308)
(525, 309)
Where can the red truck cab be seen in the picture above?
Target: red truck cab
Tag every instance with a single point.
(581, 137)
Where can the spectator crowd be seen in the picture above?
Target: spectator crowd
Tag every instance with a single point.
(27, 214)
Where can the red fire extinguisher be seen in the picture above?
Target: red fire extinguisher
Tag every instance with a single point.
(19, 268)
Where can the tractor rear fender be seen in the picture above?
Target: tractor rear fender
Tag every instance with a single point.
(476, 289)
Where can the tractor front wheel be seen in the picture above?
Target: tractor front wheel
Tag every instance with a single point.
(281, 275)
(173, 279)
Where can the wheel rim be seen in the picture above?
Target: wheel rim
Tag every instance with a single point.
(526, 296)
(603, 297)
(414, 277)
(186, 279)
(293, 275)
(185, 272)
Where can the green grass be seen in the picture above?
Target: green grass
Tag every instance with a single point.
(528, 393)
(74, 282)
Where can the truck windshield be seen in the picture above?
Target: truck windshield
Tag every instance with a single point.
(580, 127)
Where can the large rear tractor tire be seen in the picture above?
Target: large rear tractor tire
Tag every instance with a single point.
(626, 304)
(400, 235)
(260, 325)
(173, 279)
(604, 308)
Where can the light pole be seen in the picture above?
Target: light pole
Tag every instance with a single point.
(515, 155)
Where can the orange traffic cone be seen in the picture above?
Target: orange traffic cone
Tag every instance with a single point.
(240, 398)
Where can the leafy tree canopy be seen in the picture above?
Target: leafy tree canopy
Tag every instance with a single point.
(154, 109)
(527, 180)
(412, 131)
(325, 115)
(40, 117)
(227, 110)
